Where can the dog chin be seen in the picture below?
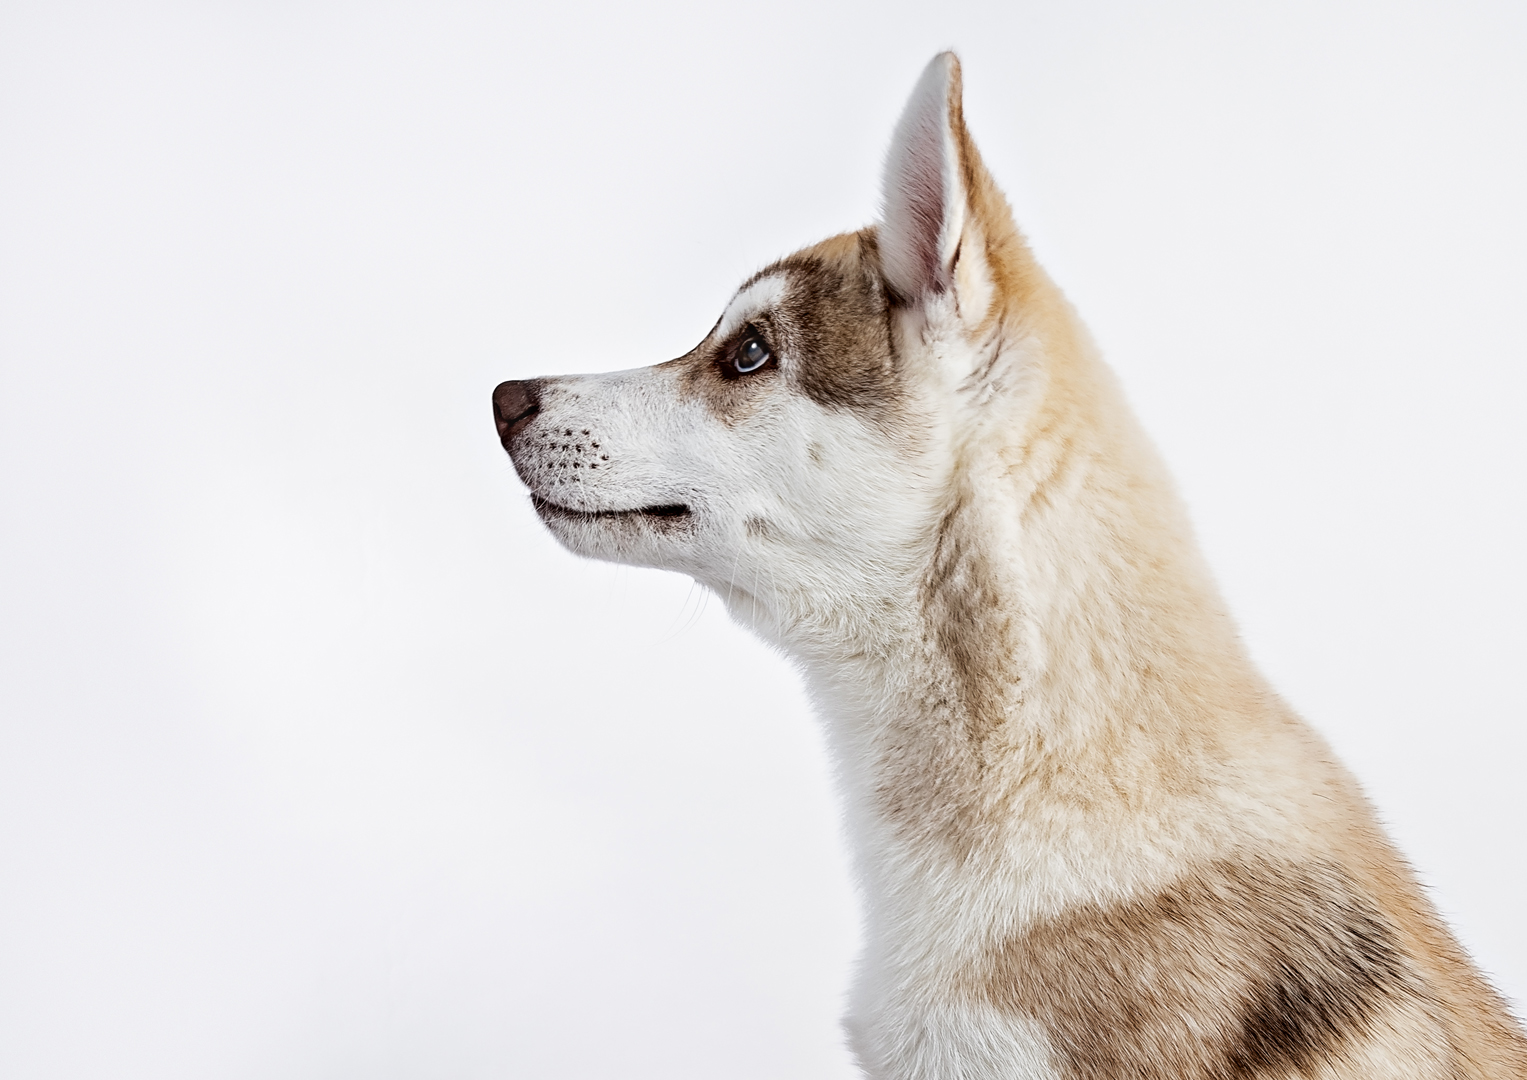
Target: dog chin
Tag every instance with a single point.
(632, 535)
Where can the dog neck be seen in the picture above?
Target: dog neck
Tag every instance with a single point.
(1047, 648)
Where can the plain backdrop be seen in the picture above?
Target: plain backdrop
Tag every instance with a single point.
(318, 759)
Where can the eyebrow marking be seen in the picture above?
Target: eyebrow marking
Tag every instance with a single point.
(761, 295)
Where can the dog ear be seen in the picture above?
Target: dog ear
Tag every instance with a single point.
(934, 238)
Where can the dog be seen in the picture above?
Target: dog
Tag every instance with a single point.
(1092, 841)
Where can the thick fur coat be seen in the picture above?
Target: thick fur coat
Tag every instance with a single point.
(1092, 841)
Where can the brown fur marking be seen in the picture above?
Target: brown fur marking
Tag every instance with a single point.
(833, 325)
(1244, 970)
(836, 322)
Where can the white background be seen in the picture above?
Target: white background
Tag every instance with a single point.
(318, 759)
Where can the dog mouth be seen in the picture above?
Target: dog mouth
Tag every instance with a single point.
(664, 512)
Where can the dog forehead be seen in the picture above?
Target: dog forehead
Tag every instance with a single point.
(836, 278)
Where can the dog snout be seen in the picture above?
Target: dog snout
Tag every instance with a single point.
(514, 403)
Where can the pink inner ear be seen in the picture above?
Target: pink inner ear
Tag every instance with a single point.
(922, 210)
(917, 191)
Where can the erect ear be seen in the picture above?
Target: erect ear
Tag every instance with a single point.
(928, 205)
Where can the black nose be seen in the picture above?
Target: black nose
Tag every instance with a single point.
(513, 403)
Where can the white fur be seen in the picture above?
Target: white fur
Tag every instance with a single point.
(749, 303)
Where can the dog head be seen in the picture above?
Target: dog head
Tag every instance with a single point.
(800, 460)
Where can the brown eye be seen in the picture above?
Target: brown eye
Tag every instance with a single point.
(752, 355)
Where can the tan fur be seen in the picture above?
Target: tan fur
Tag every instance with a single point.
(1130, 989)
(1242, 969)
(1093, 842)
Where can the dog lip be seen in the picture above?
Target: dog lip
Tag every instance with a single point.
(661, 510)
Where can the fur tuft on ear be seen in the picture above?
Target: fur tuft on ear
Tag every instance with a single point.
(924, 195)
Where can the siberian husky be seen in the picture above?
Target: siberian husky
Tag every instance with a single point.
(1092, 842)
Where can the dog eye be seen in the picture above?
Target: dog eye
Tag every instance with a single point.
(752, 355)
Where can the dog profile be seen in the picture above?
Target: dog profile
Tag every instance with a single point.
(1092, 842)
